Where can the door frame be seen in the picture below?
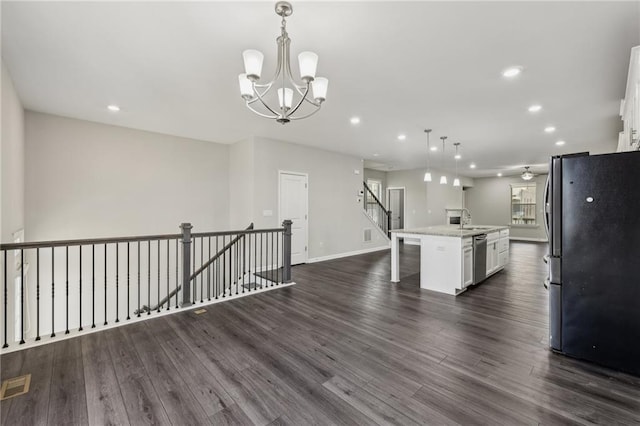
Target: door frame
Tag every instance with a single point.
(306, 205)
(404, 201)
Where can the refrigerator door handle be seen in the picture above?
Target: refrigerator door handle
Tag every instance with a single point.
(545, 258)
(547, 205)
(546, 283)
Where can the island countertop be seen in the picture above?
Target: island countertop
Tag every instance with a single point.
(452, 231)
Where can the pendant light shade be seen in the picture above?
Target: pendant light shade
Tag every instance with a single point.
(443, 178)
(456, 182)
(427, 175)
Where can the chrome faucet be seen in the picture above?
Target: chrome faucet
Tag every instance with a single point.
(465, 218)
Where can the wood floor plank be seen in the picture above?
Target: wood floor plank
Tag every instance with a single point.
(67, 401)
(141, 401)
(105, 405)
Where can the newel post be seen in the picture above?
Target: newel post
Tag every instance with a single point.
(186, 264)
(389, 223)
(286, 252)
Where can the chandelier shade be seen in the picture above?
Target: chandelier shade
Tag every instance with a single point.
(295, 100)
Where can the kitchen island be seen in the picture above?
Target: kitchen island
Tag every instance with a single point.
(448, 261)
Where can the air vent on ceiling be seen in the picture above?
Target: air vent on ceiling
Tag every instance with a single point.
(366, 237)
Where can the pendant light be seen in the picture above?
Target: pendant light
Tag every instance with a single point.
(443, 178)
(427, 175)
(456, 181)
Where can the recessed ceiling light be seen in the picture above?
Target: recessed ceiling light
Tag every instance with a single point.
(499, 174)
(535, 108)
(434, 148)
(472, 166)
(114, 108)
(560, 143)
(457, 156)
(355, 120)
(402, 137)
(375, 155)
(512, 71)
(550, 129)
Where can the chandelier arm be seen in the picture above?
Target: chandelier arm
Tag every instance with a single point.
(305, 116)
(261, 114)
(259, 96)
(294, 109)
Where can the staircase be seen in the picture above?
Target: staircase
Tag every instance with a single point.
(376, 211)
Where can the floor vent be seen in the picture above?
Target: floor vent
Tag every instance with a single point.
(14, 387)
(199, 311)
(366, 237)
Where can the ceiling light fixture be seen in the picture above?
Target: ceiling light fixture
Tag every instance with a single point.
(527, 175)
(512, 72)
(443, 178)
(427, 174)
(355, 120)
(472, 166)
(499, 174)
(114, 108)
(535, 108)
(456, 181)
(402, 137)
(549, 129)
(252, 91)
(434, 148)
(560, 143)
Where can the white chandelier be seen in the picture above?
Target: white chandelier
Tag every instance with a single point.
(256, 95)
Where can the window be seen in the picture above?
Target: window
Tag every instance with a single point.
(523, 204)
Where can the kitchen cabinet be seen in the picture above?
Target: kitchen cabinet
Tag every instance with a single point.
(467, 262)
(492, 252)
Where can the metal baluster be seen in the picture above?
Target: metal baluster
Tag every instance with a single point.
(202, 273)
(22, 297)
(53, 293)
(168, 291)
(216, 271)
(237, 247)
(117, 282)
(66, 260)
(105, 284)
(244, 256)
(193, 269)
(249, 251)
(6, 295)
(37, 294)
(272, 258)
(277, 234)
(128, 284)
(261, 260)
(209, 274)
(149, 277)
(80, 287)
(93, 286)
(177, 274)
(158, 277)
(139, 267)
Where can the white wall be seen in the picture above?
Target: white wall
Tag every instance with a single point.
(490, 204)
(336, 218)
(425, 203)
(86, 180)
(12, 153)
(241, 184)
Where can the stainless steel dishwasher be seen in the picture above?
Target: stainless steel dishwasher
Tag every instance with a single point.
(479, 258)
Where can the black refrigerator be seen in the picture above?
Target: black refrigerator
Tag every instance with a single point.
(593, 224)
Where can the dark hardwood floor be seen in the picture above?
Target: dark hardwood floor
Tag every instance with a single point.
(343, 346)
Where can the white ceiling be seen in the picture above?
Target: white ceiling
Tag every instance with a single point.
(401, 67)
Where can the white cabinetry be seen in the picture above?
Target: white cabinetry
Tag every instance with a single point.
(629, 139)
(467, 262)
(492, 252)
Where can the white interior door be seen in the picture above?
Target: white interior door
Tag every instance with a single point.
(293, 201)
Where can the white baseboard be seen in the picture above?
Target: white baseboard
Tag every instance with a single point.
(347, 254)
(533, 240)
